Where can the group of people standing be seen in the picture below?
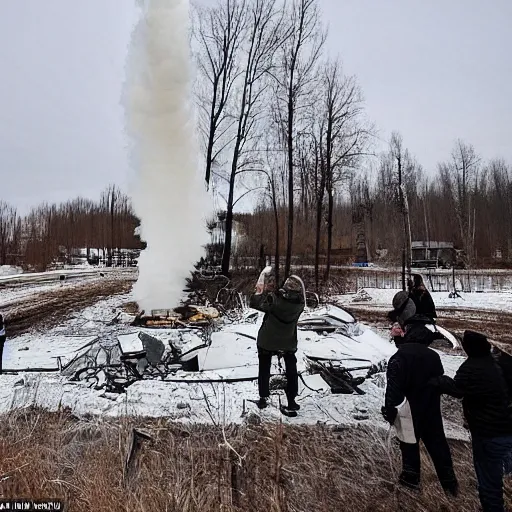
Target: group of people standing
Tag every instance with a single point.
(415, 374)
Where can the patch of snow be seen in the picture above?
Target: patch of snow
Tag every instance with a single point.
(130, 343)
(9, 270)
(382, 298)
(42, 351)
(232, 355)
(12, 295)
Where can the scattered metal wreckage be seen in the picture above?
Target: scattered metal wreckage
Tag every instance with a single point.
(112, 365)
(142, 356)
(134, 357)
(340, 378)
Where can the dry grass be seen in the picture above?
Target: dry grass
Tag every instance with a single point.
(191, 468)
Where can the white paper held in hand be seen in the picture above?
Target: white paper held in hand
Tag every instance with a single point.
(404, 425)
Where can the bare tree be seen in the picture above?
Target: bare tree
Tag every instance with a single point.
(362, 204)
(402, 160)
(501, 179)
(220, 32)
(9, 232)
(319, 193)
(263, 38)
(294, 80)
(462, 173)
(109, 204)
(346, 139)
(272, 194)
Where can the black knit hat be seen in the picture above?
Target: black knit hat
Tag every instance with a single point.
(476, 344)
(404, 308)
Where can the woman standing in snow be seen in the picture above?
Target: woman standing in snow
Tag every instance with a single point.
(278, 335)
(2, 340)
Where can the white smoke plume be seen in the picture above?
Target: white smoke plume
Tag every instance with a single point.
(168, 193)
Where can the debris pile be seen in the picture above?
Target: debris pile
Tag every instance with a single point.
(339, 378)
(190, 315)
(135, 357)
(196, 344)
(362, 296)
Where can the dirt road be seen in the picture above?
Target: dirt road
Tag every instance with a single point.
(48, 308)
(497, 325)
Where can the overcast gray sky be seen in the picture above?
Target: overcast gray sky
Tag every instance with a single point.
(436, 70)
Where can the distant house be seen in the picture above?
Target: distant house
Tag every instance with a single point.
(435, 254)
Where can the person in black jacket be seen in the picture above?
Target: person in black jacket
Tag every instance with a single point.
(278, 335)
(2, 340)
(408, 374)
(422, 299)
(501, 355)
(486, 403)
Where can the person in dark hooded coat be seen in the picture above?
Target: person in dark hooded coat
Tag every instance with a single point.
(486, 402)
(422, 299)
(409, 371)
(278, 336)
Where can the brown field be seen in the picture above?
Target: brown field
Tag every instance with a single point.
(254, 467)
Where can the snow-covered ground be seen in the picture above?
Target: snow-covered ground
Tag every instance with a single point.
(9, 270)
(232, 353)
(11, 295)
(15, 288)
(11, 276)
(381, 298)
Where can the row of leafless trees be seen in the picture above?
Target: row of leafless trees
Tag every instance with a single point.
(276, 114)
(284, 128)
(468, 202)
(50, 232)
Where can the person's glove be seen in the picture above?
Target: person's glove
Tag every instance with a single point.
(389, 414)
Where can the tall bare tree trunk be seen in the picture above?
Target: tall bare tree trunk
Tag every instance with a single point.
(330, 209)
(226, 254)
(219, 34)
(319, 214)
(289, 244)
(427, 232)
(401, 156)
(277, 241)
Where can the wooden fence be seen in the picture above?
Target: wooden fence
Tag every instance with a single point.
(464, 280)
